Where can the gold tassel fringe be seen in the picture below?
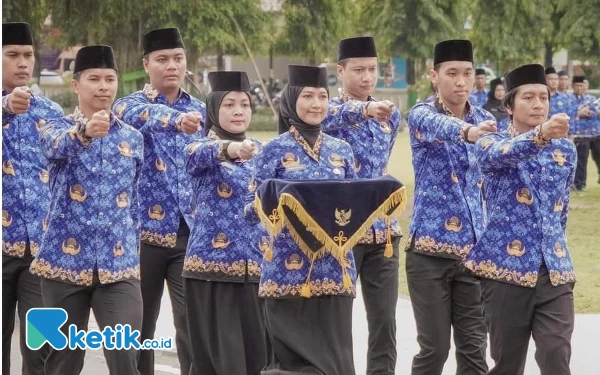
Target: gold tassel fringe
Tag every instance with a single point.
(396, 201)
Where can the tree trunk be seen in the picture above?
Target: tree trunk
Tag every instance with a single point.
(220, 59)
(410, 71)
(548, 53)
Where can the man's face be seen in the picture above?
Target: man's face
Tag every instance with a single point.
(552, 81)
(531, 105)
(17, 65)
(480, 82)
(359, 76)
(454, 81)
(166, 68)
(96, 88)
(578, 88)
(563, 83)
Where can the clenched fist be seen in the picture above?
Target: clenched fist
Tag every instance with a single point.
(480, 130)
(98, 126)
(555, 128)
(380, 111)
(247, 150)
(190, 123)
(243, 150)
(19, 100)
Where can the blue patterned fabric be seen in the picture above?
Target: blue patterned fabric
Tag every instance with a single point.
(478, 98)
(289, 157)
(372, 143)
(165, 187)
(93, 222)
(527, 184)
(502, 126)
(222, 245)
(447, 215)
(25, 193)
(561, 103)
(585, 127)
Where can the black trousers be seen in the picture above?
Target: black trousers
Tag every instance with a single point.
(444, 295)
(379, 284)
(595, 151)
(310, 336)
(583, 153)
(158, 264)
(514, 313)
(116, 303)
(226, 327)
(20, 290)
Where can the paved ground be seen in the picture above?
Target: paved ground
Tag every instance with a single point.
(585, 361)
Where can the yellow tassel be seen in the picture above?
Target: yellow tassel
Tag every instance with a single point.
(305, 291)
(347, 281)
(269, 254)
(389, 250)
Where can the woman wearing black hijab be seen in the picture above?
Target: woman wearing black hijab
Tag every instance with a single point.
(222, 264)
(494, 101)
(308, 304)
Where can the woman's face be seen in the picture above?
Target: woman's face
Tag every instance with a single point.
(499, 92)
(235, 112)
(312, 105)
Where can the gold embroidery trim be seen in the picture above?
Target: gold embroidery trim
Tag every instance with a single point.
(14, 249)
(428, 244)
(271, 289)
(312, 152)
(163, 240)
(195, 263)
(490, 270)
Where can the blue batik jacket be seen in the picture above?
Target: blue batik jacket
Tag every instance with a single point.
(372, 143)
(165, 187)
(25, 193)
(527, 183)
(289, 157)
(448, 209)
(222, 245)
(93, 222)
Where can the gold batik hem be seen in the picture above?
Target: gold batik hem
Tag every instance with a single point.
(195, 263)
(379, 237)
(563, 277)
(109, 277)
(427, 244)
(318, 288)
(159, 239)
(43, 268)
(490, 270)
(14, 249)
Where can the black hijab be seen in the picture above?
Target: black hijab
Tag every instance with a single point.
(289, 117)
(213, 104)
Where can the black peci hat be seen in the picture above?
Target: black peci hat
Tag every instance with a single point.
(307, 76)
(363, 46)
(158, 39)
(95, 57)
(16, 33)
(526, 74)
(453, 50)
(229, 81)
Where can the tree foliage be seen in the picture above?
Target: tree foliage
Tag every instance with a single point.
(313, 28)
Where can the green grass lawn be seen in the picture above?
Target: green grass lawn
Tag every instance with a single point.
(583, 230)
